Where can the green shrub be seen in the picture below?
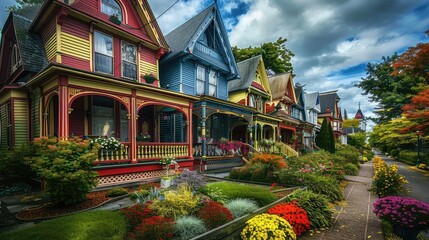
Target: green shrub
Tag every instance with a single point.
(175, 203)
(350, 169)
(16, 162)
(116, 192)
(320, 184)
(347, 154)
(66, 167)
(409, 157)
(261, 195)
(240, 207)
(316, 205)
(85, 225)
(188, 227)
(395, 152)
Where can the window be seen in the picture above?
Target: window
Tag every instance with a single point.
(201, 79)
(260, 105)
(111, 8)
(9, 124)
(251, 101)
(212, 83)
(129, 60)
(15, 58)
(103, 47)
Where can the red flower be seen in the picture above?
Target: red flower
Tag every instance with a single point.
(295, 215)
(214, 214)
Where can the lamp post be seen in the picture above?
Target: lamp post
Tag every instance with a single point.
(418, 148)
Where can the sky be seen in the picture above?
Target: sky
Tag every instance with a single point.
(333, 40)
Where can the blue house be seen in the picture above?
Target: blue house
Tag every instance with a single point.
(201, 62)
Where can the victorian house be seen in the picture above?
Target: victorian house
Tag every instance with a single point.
(329, 109)
(201, 64)
(312, 106)
(305, 128)
(90, 68)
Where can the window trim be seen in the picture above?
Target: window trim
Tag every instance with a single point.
(95, 52)
(201, 80)
(216, 82)
(15, 60)
(121, 19)
(122, 60)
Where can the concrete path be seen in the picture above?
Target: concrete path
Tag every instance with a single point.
(354, 218)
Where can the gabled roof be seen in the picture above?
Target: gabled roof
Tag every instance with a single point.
(30, 44)
(182, 40)
(179, 38)
(279, 85)
(359, 114)
(248, 69)
(328, 99)
(312, 101)
(299, 95)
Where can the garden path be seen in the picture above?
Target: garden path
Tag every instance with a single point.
(354, 218)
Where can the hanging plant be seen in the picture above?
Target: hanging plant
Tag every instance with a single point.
(149, 78)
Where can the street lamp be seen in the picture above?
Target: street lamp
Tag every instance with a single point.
(418, 148)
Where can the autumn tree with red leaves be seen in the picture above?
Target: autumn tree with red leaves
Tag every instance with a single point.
(418, 112)
(414, 62)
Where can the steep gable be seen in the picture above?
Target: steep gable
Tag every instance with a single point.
(282, 89)
(252, 73)
(329, 100)
(191, 36)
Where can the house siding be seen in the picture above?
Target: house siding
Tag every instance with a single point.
(49, 38)
(3, 129)
(20, 121)
(35, 113)
(170, 75)
(188, 77)
(222, 87)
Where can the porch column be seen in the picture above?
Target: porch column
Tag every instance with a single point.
(203, 129)
(63, 111)
(133, 127)
(189, 124)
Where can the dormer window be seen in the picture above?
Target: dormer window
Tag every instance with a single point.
(111, 8)
(15, 58)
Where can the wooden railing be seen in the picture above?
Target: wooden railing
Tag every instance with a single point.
(279, 147)
(122, 154)
(214, 150)
(157, 150)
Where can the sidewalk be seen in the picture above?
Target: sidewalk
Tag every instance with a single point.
(354, 218)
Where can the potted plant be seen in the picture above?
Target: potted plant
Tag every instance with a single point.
(109, 146)
(408, 216)
(166, 181)
(149, 78)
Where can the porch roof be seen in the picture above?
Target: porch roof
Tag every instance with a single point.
(223, 106)
(53, 69)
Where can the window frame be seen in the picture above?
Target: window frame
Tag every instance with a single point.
(211, 84)
(122, 60)
(95, 52)
(202, 81)
(120, 17)
(15, 61)
(9, 124)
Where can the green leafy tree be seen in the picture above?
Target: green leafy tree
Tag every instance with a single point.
(322, 139)
(331, 139)
(348, 123)
(275, 55)
(24, 3)
(357, 139)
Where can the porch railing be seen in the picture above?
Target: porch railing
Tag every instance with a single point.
(157, 150)
(279, 147)
(121, 154)
(213, 150)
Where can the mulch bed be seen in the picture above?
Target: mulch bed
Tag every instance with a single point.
(49, 211)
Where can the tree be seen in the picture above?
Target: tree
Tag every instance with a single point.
(356, 139)
(418, 112)
(331, 139)
(275, 55)
(391, 91)
(322, 139)
(24, 3)
(414, 62)
(348, 123)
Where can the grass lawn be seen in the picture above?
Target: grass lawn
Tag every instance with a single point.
(261, 195)
(91, 225)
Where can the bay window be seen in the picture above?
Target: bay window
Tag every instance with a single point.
(129, 60)
(103, 48)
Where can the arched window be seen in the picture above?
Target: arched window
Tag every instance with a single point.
(251, 101)
(15, 58)
(111, 8)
